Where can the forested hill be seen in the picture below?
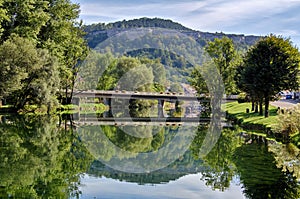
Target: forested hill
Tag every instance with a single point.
(97, 33)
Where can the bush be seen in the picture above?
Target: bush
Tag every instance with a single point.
(289, 123)
(243, 97)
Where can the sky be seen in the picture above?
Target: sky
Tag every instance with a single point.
(249, 17)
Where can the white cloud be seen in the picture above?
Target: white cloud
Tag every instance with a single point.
(235, 12)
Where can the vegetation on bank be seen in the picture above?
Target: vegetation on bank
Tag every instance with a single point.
(283, 124)
(85, 108)
(41, 44)
(42, 48)
(239, 112)
(289, 125)
(269, 67)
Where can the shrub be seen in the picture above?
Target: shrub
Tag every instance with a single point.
(243, 97)
(289, 123)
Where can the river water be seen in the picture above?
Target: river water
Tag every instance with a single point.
(55, 157)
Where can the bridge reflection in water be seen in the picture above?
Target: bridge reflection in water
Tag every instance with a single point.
(120, 103)
(141, 121)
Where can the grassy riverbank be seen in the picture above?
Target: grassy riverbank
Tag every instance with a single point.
(85, 108)
(256, 124)
(237, 111)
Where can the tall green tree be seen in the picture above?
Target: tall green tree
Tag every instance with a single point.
(225, 58)
(244, 78)
(27, 74)
(63, 36)
(92, 69)
(199, 77)
(3, 16)
(51, 25)
(128, 73)
(25, 18)
(271, 66)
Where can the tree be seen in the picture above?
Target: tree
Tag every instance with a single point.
(224, 56)
(63, 36)
(159, 73)
(92, 69)
(52, 25)
(13, 65)
(27, 74)
(127, 73)
(3, 16)
(25, 18)
(271, 66)
(244, 78)
(197, 80)
(176, 87)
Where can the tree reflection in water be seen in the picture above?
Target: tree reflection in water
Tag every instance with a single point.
(259, 174)
(249, 159)
(40, 159)
(43, 157)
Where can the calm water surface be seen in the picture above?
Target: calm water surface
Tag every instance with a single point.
(50, 157)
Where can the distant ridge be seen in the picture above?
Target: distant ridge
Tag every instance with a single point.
(97, 33)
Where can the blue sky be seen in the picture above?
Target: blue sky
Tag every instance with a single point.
(250, 17)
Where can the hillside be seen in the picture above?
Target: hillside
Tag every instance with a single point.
(97, 33)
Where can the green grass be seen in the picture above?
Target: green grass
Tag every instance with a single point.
(62, 109)
(238, 110)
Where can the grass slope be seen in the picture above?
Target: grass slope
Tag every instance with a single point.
(238, 110)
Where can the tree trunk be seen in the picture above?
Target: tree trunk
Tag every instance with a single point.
(261, 111)
(253, 105)
(267, 101)
(256, 107)
(72, 87)
(66, 95)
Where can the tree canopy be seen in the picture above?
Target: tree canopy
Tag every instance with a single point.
(41, 24)
(225, 58)
(271, 66)
(28, 74)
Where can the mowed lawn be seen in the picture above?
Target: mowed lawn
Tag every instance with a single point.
(239, 111)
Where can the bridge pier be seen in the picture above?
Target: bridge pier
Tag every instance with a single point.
(160, 108)
(107, 101)
(177, 104)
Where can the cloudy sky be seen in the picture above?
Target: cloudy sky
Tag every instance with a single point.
(250, 17)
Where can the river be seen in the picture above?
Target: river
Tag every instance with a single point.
(53, 157)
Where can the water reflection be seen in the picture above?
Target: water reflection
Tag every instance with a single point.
(219, 160)
(259, 174)
(120, 148)
(39, 159)
(47, 157)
